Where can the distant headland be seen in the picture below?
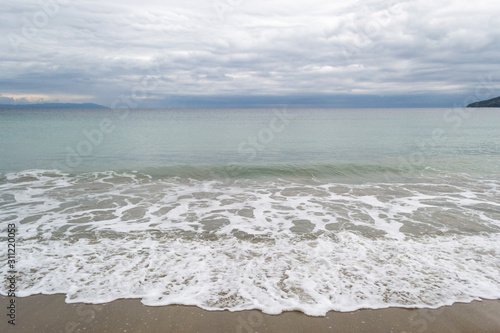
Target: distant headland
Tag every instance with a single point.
(490, 103)
(53, 106)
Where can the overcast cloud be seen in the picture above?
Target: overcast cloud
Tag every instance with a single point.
(195, 53)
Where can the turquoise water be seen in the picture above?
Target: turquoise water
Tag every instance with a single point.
(140, 139)
(284, 209)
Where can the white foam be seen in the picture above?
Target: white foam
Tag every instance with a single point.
(269, 245)
(343, 273)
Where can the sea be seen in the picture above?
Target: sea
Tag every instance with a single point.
(278, 209)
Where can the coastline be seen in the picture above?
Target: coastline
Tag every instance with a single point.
(50, 313)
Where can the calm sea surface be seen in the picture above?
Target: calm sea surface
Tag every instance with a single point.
(284, 209)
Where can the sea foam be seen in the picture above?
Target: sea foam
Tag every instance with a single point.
(269, 244)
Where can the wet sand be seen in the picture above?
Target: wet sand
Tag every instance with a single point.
(42, 313)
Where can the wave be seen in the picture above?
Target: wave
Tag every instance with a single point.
(231, 171)
(249, 171)
(272, 237)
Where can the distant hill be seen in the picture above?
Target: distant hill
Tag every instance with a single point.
(53, 106)
(490, 103)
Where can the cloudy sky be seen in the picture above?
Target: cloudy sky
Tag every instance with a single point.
(230, 53)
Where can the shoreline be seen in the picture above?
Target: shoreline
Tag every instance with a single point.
(50, 313)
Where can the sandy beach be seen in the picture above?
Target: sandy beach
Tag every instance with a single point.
(49, 313)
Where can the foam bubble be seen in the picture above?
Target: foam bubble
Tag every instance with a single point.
(273, 245)
(343, 272)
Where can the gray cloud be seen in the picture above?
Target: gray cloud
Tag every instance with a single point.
(92, 52)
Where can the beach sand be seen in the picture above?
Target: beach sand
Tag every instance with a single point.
(49, 313)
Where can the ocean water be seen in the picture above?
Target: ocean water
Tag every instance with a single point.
(271, 209)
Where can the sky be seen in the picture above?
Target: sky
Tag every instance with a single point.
(242, 53)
